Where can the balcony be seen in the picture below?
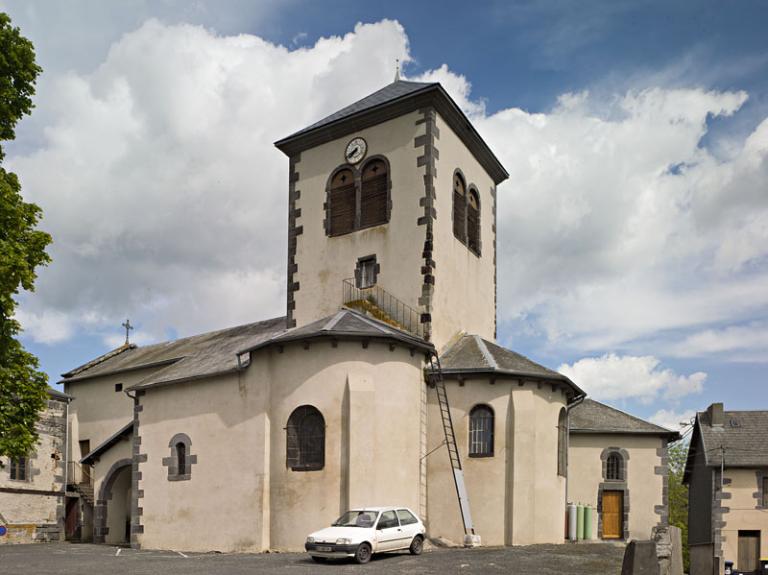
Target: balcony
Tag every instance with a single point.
(383, 306)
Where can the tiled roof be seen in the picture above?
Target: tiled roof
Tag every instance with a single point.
(743, 437)
(473, 354)
(386, 95)
(591, 416)
(346, 324)
(195, 356)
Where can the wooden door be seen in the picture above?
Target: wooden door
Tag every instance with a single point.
(613, 514)
(749, 551)
(72, 515)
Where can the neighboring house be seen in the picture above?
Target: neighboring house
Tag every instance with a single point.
(32, 488)
(248, 438)
(727, 477)
(618, 464)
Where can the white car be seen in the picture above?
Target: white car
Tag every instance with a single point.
(362, 532)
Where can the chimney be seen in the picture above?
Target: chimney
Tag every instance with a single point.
(716, 417)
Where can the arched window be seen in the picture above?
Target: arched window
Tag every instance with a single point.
(473, 221)
(373, 193)
(342, 202)
(459, 207)
(181, 458)
(305, 445)
(562, 443)
(613, 467)
(481, 431)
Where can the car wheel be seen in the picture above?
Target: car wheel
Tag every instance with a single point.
(318, 559)
(417, 545)
(363, 553)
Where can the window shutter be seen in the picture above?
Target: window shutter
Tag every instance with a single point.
(342, 203)
(373, 194)
(459, 214)
(473, 229)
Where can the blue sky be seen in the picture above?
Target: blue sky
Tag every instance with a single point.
(633, 242)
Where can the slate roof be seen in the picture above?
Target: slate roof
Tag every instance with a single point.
(744, 435)
(187, 358)
(123, 432)
(398, 98)
(591, 416)
(346, 324)
(59, 395)
(472, 354)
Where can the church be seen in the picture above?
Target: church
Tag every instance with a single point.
(382, 384)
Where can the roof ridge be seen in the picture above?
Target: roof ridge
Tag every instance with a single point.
(486, 352)
(100, 359)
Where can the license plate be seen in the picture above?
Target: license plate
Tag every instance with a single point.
(323, 548)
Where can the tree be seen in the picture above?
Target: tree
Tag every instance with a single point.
(22, 249)
(678, 495)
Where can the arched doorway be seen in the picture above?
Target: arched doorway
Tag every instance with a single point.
(113, 507)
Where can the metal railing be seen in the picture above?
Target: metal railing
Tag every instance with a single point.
(382, 305)
(78, 474)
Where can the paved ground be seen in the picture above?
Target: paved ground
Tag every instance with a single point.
(65, 559)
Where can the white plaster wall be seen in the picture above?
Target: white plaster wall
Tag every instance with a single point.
(742, 513)
(241, 496)
(516, 496)
(464, 283)
(324, 262)
(585, 474)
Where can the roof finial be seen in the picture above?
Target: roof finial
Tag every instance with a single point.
(128, 327)
(397, 70)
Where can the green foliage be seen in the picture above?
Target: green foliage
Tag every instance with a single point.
(18, 72)
(22, 249)
(678, 495)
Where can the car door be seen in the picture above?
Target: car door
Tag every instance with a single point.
(388, 533)
(409, 526)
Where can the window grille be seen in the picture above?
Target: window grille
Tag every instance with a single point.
(481, 431)
(613, 467)
(305, 445)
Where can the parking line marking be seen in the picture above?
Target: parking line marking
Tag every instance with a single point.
(118, 551)
(182, 554)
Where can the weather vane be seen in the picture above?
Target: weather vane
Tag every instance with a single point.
(128, 327)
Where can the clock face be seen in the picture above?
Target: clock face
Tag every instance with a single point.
(356, 150)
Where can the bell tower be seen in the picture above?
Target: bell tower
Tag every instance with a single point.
(392, 211)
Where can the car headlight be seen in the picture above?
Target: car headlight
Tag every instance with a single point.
(343, 541)
(310, 539)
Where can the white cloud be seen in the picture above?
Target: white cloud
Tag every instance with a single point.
(165, 196)
(631, 377)
(159, 181)
(672, 419)
(747, 342)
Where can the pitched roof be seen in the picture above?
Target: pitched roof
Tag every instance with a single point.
(398, 98)
(345, 324)
(472, 354)
(196, 356)
(591, 416)
(58, 395)
(104, 446)
(743, 437)
(387, 94)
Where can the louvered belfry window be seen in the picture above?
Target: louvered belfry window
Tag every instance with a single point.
(459, 207)
(481, 431)
(359, 199)
(305, 442)
(473, 222)
(373, 194)
(342, 198)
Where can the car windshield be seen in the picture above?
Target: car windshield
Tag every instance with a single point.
(359, 518)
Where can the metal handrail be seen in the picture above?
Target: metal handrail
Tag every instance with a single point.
(382, 305)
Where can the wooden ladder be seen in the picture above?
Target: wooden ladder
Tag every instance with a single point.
(450, 442)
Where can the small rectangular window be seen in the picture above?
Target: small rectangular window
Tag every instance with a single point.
(118, 387)
(366, 272)
(19, 469)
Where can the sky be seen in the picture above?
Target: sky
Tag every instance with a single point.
(633, 230)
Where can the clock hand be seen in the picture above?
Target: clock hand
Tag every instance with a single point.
(353, 152)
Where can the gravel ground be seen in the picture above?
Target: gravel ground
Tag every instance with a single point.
(581, 559)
